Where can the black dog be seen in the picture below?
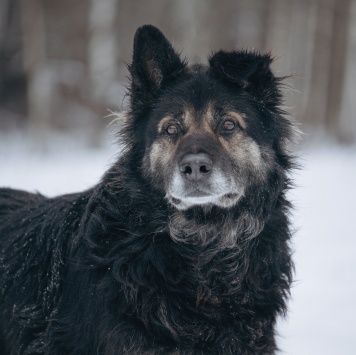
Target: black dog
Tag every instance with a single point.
(182, 247)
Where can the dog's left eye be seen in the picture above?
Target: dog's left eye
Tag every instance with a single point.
(172, 129)
(228, 125)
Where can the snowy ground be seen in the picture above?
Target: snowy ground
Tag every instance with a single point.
(323, 306)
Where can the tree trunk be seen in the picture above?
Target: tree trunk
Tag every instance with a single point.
(339, 44)
(35, 63)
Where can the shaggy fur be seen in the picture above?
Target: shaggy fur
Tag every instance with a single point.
(126, 267)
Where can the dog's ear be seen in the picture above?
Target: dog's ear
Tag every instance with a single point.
(154, 64)
(248, 70)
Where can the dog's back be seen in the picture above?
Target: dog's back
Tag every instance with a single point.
(12, 200)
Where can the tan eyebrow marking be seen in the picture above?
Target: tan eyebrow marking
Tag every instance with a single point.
(239, 118)
(188, 118)
(209, 118)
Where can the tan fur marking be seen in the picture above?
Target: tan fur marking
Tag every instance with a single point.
(160, 154)
(245, 151)
(208, 119)
(204, 125)
(189, 120)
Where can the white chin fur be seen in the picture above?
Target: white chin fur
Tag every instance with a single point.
(183, 203)
(224, 192)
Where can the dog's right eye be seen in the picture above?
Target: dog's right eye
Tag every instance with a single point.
(172, 129)
(229, 125)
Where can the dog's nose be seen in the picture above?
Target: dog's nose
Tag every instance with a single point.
(196, 166)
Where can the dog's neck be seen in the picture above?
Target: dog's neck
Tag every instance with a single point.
(226, 230)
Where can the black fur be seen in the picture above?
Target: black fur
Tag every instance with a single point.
(117, 269)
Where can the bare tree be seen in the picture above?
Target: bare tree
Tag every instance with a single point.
(339, 44)
(75, 52)
(35, 63)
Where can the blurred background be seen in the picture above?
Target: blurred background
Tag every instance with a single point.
(62, 63)
(63, 68)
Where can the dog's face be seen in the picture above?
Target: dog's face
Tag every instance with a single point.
(207, 133)
(201, 153)
(195, 150)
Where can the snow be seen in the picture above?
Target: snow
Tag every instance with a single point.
(323, 306)
(53, 165)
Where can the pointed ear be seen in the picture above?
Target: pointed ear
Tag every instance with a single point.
(248, 70)
(154, 64)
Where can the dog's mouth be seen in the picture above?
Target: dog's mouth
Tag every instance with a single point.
(197, 198)
(217, 189)
(197, 193)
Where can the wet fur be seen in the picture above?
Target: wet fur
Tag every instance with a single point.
(118, 269)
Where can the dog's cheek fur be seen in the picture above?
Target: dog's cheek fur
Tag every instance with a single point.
(252, 162)
(157, 163)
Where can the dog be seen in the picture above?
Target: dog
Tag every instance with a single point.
(183, 247)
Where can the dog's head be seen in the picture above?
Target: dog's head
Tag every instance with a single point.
(204, 135)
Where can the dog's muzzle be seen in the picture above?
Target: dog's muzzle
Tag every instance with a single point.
(198, 181)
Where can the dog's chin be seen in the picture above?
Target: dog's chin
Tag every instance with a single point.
(184, 202)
